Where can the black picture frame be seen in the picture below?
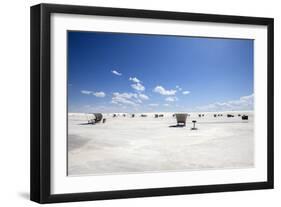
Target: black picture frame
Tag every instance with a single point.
(41, 98)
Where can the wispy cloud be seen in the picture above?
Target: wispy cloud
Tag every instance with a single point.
(128, 98)
(153, 104)
(185, 92)
(100, 94)
(137, 84)
(86, 92)
(138, 87)
(161, 90)
(132, 99)
(243, 103)
(171, 99)
(115, 72)
(143, 97)
(178, 88)
(134, 79)
(124, 98)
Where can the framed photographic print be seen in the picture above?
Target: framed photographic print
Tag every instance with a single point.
(133, 103)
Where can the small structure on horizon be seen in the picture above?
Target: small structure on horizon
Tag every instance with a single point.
(194, 128)
(97, 117)
(230, 115)
(133, 115)
(181, 119)
(103, 121)
(244, 117)
(156, 115)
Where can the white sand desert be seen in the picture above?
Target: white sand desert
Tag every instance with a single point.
(148, 144)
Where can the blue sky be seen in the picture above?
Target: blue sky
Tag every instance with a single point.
(114, 72)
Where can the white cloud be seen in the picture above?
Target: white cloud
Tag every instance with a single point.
(143, 97)
(134, 80)
(171, 99)
(125, 98)
(166, 104)
(185, 92)
(121, 100)
(178, 87)
(99, 94)
(86, 92)
(132, 99)
(137, 84)
(243, 103)
(116, 72)
(161, 90)
(153, 104)
(126, 95)
(248, 98)
(138, 87)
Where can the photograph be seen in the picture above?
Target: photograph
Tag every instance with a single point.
(132, 103)
(154, 103)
